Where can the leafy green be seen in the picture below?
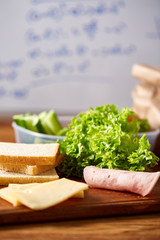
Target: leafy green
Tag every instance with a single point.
(44, 122)
(144, 125)
(104, 138)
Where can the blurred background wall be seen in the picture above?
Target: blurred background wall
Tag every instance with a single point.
(72, 55)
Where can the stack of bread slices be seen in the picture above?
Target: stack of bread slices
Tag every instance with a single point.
(28, 163)
(146, 94)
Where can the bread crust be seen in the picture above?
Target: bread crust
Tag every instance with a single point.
(30, 154)
(10, 177)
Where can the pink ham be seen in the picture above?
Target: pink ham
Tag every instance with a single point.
(137, 182)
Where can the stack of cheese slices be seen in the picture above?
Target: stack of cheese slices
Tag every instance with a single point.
(28, 163)
(146, 94)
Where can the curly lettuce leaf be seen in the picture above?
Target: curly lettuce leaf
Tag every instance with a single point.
(104, 138)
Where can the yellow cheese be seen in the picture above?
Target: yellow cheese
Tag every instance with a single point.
(80, 194)
(21, 186)
(48, 194)
(5, 194)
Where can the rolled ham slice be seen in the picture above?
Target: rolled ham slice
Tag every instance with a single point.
(137, 182)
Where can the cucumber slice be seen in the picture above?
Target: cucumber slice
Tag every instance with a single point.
(62, 132)
(19, 120)
(45, 122)
(37, 123)
(31, 122)
(42, 117)
(52, 122)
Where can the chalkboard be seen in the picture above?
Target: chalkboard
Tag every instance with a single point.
(71, 55)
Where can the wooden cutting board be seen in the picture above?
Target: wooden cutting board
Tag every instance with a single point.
(96, 203)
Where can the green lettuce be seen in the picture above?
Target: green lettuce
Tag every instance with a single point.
(104, 138)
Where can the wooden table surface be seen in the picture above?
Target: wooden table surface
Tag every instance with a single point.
(123, 227)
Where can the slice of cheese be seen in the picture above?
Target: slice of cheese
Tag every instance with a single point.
(79, 194)
(5, 192)
(21, 186)
(56, 192)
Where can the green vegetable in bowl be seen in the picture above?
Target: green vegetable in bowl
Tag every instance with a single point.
(44, 122)
(103, 137)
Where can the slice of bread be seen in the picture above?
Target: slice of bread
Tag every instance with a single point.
(141, 100)
(154, 117)
(10, 177)
(26, 169)
(146, 73)
(144, 89)
(157, 95)
(29, 154)
(29, 169)
(140, 110)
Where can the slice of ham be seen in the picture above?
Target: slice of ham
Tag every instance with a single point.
(137, 182)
